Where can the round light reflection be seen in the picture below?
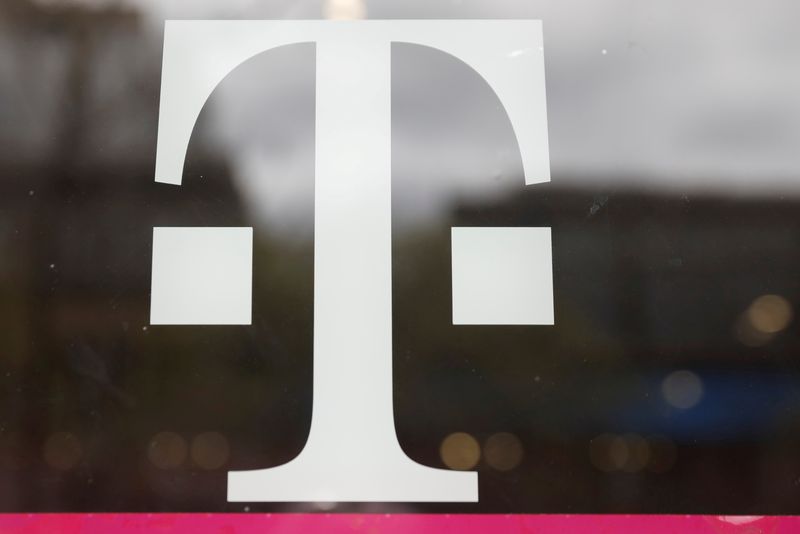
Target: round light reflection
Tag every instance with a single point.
(460, 451)
(682, 389)
(503, 451)
(167, 450)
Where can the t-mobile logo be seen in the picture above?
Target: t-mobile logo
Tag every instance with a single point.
(500, 275)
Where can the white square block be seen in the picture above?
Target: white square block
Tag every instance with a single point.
(502, 276)
(202, 276)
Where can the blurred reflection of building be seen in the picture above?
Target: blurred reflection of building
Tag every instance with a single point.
(655, 294)
(101, 413)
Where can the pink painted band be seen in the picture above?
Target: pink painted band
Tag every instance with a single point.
(390, 524)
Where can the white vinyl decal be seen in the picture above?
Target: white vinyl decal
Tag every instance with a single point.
(502, 276)
(352, 453)
(202, 276)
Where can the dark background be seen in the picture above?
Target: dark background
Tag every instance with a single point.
(669, 383)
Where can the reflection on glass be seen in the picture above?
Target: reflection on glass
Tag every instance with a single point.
(668, 383)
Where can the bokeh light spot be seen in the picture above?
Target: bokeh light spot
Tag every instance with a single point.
(210, 450)
(345, 9)
(638, 453)
(682, 389)
(630, 453)
(769, 314)
(167, 450)
(503, 451)
(460, 451)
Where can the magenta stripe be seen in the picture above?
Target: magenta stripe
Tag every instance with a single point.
(391, 524)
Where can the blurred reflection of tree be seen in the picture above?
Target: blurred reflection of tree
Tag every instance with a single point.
(644, 283)
(74, 28)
